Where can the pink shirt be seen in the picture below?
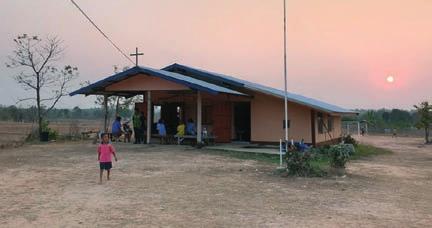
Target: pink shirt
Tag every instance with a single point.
(105, 151)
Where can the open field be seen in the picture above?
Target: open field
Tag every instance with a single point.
(56, 185)
(13, 133)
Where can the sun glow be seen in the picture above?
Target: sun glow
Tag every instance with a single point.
(390, 79)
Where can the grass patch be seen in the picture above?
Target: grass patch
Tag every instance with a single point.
(270, 158)
(367, 151)
(320, 164)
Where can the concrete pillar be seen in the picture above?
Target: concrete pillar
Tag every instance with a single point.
(199, 117)
(149, 116)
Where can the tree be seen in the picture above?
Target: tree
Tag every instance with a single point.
(38, 73)
(116, 103)
(76, 112)
(425, 122)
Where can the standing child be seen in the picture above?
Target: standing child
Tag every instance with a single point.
(161, 130)
(105, 150)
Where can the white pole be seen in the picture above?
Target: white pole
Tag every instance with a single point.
(280, 153)
(285, 81)
(199, 116)
(348, 129)
(149, 111)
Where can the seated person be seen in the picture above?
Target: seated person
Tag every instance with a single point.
(190, 127)
(161, 130)
(128, 131)
(116, 129)
(181, 129)
(302, 146)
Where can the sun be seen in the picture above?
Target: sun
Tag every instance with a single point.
(390, 79)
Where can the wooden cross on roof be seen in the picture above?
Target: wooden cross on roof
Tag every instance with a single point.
(136, 54)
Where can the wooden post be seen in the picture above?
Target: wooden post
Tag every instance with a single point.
(199, 117)
(149, 116)
(105, 103)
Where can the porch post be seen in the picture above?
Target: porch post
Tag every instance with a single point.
(149, 109)
(358, 128)
(105, 104)
(199, 116)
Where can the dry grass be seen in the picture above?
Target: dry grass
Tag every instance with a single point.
(13, 134)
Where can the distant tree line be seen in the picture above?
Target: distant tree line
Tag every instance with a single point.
(19, 114)
(386, 118)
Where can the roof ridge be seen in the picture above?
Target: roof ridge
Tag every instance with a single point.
(293, 97)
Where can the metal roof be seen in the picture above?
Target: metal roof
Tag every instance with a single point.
(192, 83)
(232, 82)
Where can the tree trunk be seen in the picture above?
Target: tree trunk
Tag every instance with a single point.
(105, 104)
(427, 135)
(38, 103)
(117, 107)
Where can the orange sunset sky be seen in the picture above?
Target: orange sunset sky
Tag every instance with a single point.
(339, 51)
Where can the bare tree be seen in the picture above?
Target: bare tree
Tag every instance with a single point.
(116, 103)
(36, 58)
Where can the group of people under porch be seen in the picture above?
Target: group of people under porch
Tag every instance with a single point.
(139, 129)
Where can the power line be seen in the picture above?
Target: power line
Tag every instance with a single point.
(103, 34)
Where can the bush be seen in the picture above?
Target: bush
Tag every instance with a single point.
(52, 134)
(339, 155)
(299, 163)
(320, 150)
(349, 140)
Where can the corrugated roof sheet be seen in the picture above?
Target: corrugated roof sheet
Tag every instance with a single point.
(192, 83)
(235, 82)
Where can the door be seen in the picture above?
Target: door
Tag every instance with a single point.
(222, 116)
(242, 121)
(171, 114)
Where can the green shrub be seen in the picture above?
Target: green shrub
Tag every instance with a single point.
(349, 140)
(299, 163)
(52, 134)
(339, 155)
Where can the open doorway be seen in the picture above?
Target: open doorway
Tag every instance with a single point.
(172, 113)
(242, 121)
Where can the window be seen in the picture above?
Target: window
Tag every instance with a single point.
(320, 119)
(179, 113)
(156, 113)
(329, 123)
(283, 124)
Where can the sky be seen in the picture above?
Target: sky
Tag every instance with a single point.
(338, 51)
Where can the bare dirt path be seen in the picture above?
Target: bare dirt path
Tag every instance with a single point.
(55, 185)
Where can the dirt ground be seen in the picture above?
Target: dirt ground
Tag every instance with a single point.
(56, 185)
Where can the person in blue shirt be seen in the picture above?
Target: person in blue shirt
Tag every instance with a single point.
(162, 130)
(116, 129)
(190, 127)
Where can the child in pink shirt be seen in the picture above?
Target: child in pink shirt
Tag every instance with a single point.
(105, 150)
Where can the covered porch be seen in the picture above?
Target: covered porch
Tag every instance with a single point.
(218, 113)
